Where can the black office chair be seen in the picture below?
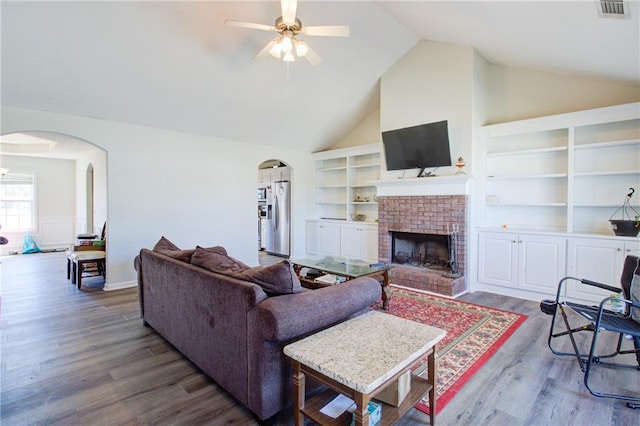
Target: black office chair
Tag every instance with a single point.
(599, 319)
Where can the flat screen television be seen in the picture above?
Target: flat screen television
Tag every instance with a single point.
(417, 147)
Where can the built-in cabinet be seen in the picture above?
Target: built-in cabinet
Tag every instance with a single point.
(351, 240)
(521, 261)
(564, 173)
(359, 241)
(323, 238)
(343, 184)
(548, 188)
(598, 259)
(346, 203)
(270, 175)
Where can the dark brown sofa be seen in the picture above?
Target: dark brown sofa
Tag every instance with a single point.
(235, 332)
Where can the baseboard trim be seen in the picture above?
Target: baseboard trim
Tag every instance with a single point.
(119, 286)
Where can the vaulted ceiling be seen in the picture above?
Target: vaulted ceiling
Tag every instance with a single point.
(177, 66)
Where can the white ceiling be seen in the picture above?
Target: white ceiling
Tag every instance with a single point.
(176, 66)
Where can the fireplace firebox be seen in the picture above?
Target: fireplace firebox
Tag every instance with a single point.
(431, 251)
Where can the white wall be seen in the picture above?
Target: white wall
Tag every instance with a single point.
(190, 188)
(55, 195)
(498, 93)
(432, 82)
(517, 94)
(366, 132)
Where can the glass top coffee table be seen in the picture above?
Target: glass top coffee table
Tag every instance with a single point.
(347, 268)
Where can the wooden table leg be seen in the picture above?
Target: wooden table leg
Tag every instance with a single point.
(298, 393)
(431, 365)
(386, 293)
(361, 414)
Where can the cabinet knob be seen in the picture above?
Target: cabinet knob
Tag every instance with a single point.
(618, 249)
(513, 241)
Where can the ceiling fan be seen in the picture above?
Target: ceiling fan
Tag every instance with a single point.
(287, 46)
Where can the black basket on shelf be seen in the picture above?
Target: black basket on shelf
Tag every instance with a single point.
(629, 223)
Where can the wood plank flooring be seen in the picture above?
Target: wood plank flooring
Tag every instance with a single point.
(83, 357)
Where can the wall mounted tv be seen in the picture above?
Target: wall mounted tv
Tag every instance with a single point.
(417, 147)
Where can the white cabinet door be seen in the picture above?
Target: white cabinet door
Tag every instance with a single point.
(331, 239)
(359, 241)
(369, 243)
(323, 238)
(313, 237)
(497, 258)
(541, 262)
(632, 249)
(521, 261)
(350, 241)
(264, 176)
(598, 260)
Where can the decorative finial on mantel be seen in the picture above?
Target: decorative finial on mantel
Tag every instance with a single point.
(460, 165)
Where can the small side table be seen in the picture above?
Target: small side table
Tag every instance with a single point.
(359, 358)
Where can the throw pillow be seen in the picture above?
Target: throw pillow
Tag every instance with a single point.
(165, 244)
(167, 248)
(279, 278)
(216, 259)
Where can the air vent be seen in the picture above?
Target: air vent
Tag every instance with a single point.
(613, 9)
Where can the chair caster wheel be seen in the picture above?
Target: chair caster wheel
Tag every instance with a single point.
(548, 306)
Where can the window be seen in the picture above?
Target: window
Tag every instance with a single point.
(17, 202)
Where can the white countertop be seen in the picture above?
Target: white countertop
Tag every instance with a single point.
(364, 352)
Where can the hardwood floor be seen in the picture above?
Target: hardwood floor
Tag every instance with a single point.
(83, 357)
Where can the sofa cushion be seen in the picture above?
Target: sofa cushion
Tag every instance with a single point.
(279, 278)
(216, 259)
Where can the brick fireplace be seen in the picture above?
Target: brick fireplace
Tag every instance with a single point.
(437, 216)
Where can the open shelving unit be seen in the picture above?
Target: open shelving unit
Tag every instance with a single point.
(563, 173)
(343, 185)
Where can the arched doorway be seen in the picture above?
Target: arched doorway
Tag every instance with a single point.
(86, 188)
(274, 207)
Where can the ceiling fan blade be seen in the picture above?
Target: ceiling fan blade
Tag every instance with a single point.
(265, 50)
(327, 30)
(289, 11)
(251, 25)
(313, 57)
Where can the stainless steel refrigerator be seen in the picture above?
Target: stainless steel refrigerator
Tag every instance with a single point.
(278, 218)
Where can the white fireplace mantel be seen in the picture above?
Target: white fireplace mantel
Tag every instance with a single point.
(434, 185)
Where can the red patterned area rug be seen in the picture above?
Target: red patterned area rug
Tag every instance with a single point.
(474, 334)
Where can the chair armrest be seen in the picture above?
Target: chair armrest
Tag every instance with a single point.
(603, 286)
(285, 317)
(586, 282)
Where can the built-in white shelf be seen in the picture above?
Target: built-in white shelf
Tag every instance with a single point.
(526, 152)
(526, 204)
(344, 175)
(564, 172)
(608, 173)
(612, 144)
(530, 176)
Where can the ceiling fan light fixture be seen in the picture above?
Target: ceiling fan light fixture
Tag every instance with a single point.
(286, 44)
(276, 49)
(301, 48)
